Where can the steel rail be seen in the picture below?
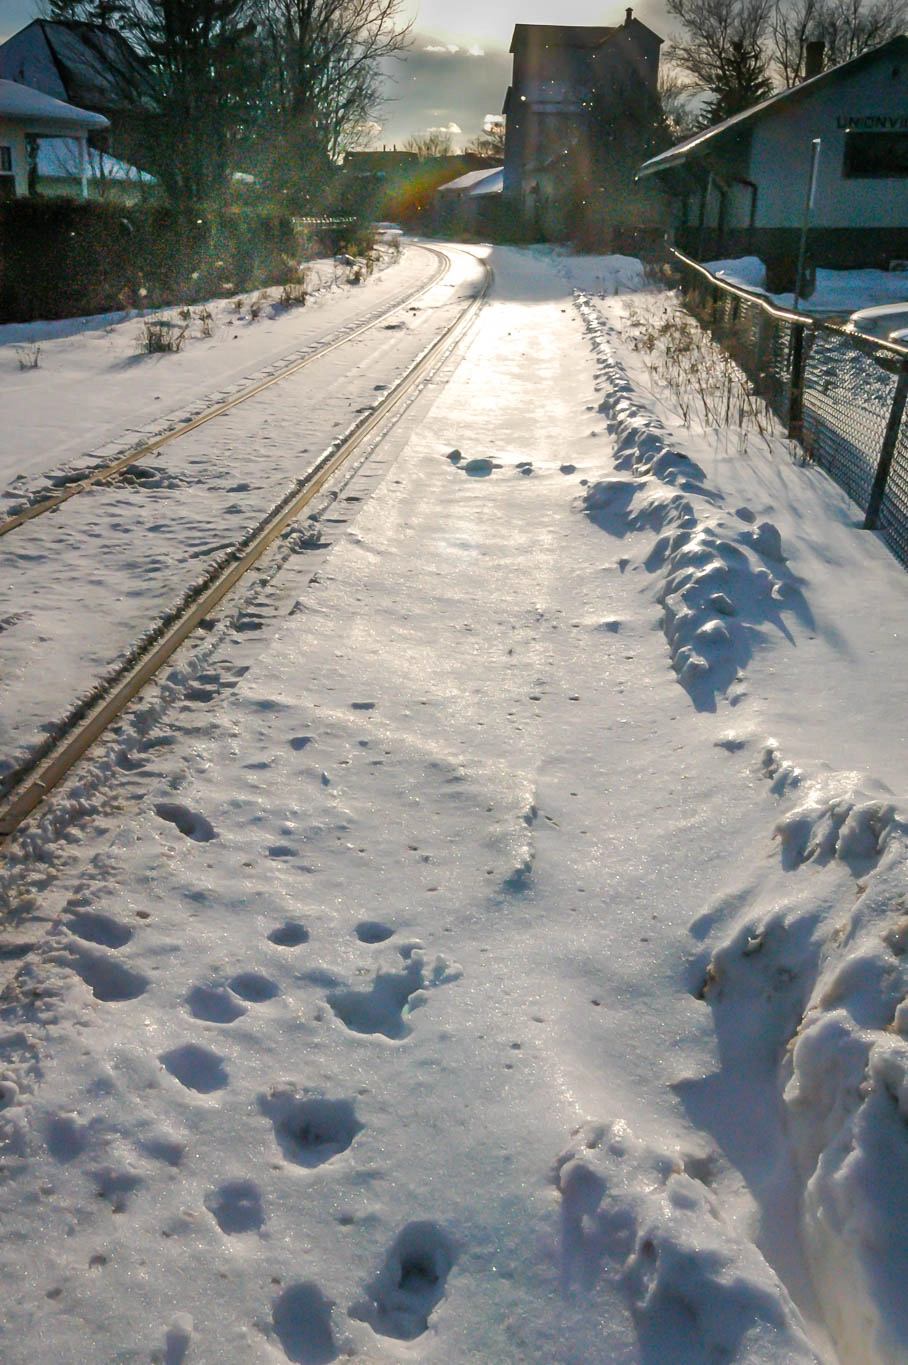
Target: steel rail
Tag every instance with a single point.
(114, 467)
(46, 773)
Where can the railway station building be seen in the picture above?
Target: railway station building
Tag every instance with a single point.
(742, 187)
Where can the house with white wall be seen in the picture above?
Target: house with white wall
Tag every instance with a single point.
(93, 67)
(28, 114)
(744, 187)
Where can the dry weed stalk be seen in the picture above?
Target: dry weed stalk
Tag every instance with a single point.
(706, 386)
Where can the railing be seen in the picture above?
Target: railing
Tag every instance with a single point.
(841, 394)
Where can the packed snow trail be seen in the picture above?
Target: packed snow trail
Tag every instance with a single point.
(397, 1004)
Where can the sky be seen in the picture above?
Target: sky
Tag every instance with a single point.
(457, 70)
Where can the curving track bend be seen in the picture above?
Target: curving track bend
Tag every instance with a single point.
(95, 594)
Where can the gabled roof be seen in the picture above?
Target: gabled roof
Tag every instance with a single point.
(785, 99)
(78, 61)
(558, 35)
(41, 113)
(568, 35)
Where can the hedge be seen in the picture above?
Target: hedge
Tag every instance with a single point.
(69, 258)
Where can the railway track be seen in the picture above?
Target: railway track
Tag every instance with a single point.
(111, 468)
(30, 782)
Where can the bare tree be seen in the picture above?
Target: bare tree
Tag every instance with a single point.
(845, 27)
(281, 86)
(433, 142)
(193, 57)
(679, 100)
(323, 76)
(723, 49)
(490, 142)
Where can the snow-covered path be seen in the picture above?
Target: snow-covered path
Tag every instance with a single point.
(425, 995)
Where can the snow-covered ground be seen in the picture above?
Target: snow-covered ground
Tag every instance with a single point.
(837, 293)
(498, 956)
(128, 552)
(94, 391)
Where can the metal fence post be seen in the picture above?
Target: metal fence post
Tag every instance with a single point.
(796, 386)
(893, 426)
(761, 353)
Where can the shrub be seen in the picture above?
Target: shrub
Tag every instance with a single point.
(67, 258)
(29, 357)
(159, 335)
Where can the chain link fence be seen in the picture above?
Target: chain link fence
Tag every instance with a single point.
(841, 395)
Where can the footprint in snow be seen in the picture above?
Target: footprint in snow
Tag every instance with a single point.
(385, 1007)
(108, 980)
(311, 1131)
(479, 468)
(177, 1340)
(410, 1284)
(97, 928)
(254, 987)
(290, 934)
(213, 1004)
(66, 1137)
(302, 1323)
(188, 822)
(196, 1068)
(237, 1207)
(373, 931)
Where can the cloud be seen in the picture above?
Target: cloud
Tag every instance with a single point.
(453, 128)
(431, 86)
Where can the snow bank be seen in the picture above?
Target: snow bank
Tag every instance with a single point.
(807, 976)
(721, 577)
(828, 975)
(747, 271)
(836, 291)
(694, 1286)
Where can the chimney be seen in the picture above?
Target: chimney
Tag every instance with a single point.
(813, 58)
(628, 15)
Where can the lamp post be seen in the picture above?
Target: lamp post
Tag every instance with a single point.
(808, 205)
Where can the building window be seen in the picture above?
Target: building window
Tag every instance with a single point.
(875, 156)
(7, 178)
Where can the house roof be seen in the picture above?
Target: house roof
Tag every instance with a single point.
(558, 35)
(42, 113)
(694, 146)
(476, 183)
(88, 63)
(567, 35)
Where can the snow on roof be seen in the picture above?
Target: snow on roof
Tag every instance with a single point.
(488, 181)
(58, 159)
(682, 151)
(22, 104)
